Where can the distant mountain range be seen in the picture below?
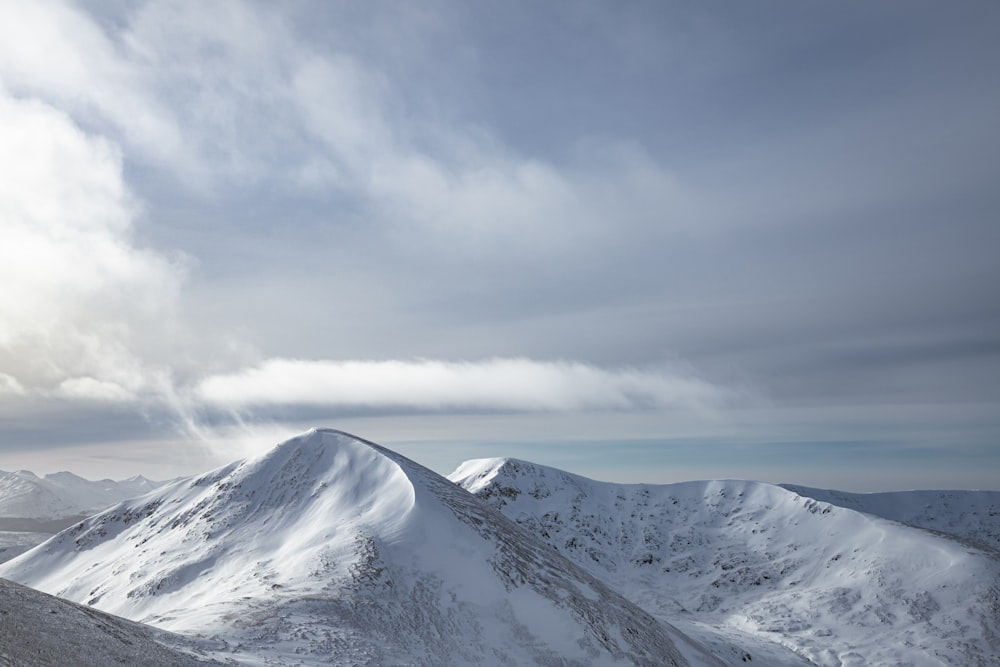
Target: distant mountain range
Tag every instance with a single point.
(333, 550)
(25, 495)
(32, 508)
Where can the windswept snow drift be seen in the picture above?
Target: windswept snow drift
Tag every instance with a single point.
(759, 565)
(332, 550)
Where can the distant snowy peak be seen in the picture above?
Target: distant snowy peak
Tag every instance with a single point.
(489, 475)
(969, 515)
(24, 494)
(329, 545)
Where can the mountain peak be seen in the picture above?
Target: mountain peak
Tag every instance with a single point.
(767, 562)
(366, 551)
(137, 479)
(324, 443)
(505, 467)
(66, 477)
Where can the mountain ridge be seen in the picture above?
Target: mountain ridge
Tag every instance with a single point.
(970, 515)
(329, 545)
(25, 495)
(758, 564)
(332, 547)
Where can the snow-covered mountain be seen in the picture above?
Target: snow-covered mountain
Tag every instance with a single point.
(25, 495)
(33, 508)
(39, 630)
(332, 550)
(753, 565)
(969, 515)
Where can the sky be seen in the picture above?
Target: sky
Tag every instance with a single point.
(641, 241)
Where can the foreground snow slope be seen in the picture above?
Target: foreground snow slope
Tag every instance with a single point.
(25, 495)
(755, 562)
(40, 630)
(332, 550)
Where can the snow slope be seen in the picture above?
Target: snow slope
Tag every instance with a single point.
(969, 515)
(25, 495)
(40, 630)
(33, 508)
(332, 550)
(763, 567)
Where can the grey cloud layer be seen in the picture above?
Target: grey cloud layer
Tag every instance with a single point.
(795, 201)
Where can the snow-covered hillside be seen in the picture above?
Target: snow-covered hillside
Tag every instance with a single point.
(970, 515)
(764, 567)
(331, 550)
(39, 630)
(25, 495)
(34, 508)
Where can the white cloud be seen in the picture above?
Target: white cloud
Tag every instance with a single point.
(92, 389)
(83, 308)
(519, 385)
(10, 385)
(52, 50)
(259, 104)
(471, 194)
(95, 316)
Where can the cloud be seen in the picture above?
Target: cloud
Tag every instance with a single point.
(95, 316)
(89, 388)
(52, 50)
(10, 385)
(229, 93)
(84, 309)
(188, 88)
(518, 385)
(438, 189)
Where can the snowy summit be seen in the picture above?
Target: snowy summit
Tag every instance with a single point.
(331, 547)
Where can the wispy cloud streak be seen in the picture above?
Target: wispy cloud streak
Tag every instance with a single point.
(520, 385)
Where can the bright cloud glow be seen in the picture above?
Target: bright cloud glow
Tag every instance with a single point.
(497, 384)
(57, 52)
(82, 306)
